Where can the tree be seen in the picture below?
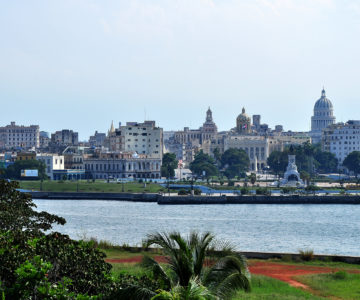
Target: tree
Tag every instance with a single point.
(327, 162)
(203, 162)
(277, 161)
(189, 261)
(17, 212)
(169, 164)
(352, 162)
(14, 171)
(23, 237)
(252, 178)
(235, 161)
(217, 154)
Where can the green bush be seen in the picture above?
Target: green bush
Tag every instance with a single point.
(197, 192)
(182, 192)
(263, 191)
(244, 190)
(306, 255)
(340, 275)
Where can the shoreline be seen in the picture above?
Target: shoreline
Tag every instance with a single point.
(189, 200)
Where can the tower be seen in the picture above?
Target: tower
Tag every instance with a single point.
(243, 123)
(322, 118)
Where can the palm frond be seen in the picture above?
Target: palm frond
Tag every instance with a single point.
(228, 274)
(194, 290)
(158, 272)
(133, 292)
(200, 250)
(228, 287)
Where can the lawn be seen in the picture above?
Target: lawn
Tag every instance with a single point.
(89, 186)
(266, 288)
(341, 284)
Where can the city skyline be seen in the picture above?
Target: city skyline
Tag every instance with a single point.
(81, 64)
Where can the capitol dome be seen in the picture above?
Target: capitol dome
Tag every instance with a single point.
(323, 103)
(322, 118)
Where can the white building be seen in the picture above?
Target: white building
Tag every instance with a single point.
(322, 118)
(342, 139)
(52, 162)
(258, 148)
(122, 165)
(13, 136)
(142, 138)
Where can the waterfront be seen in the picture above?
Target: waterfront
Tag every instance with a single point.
(327, 229)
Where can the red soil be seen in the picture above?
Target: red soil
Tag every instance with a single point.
(281, 272)
(285, 272)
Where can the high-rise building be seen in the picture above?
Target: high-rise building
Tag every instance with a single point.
(142, 138)
(322, 118)
(97, 140)
(342, 139)
(15, 136)
(65, 137)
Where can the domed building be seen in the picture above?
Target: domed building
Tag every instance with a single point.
(322, 118)
(243, 123)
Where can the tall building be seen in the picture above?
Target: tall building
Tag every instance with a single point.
(256, 122)
(97, 140)
(189, 141)
(198, 136)
(142, 138)
(322, 118)
(341, 139)
(15, 136)
(65, 137)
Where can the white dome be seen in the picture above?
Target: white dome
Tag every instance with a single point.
(323, 103)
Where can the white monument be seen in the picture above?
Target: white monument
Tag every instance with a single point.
(291, 176)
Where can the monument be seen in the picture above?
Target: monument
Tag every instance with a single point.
(291, 176)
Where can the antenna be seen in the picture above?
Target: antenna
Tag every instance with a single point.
(144, 114)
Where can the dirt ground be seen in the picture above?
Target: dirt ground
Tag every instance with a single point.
(283, 272)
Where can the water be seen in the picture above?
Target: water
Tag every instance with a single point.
(327, 229)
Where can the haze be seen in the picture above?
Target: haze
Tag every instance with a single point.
(80, 64)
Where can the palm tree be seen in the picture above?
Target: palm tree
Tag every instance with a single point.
(194, 262)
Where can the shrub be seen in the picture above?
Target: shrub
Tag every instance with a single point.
(182, 192)
(286, 258)
(340, 275)
(197, 192)
(263, 191)
(244, 190)
(231, 183)
(287, 190)
(306, 255)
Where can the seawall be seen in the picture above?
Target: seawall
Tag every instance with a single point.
(136, 197)
(259, 199)
(186, 200)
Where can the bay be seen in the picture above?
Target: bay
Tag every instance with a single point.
(326, 229)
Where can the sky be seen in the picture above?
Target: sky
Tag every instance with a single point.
(76, 64)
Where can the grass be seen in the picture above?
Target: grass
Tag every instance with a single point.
(266, 288)
(317, 263)
(89, 186)
(340, 284)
